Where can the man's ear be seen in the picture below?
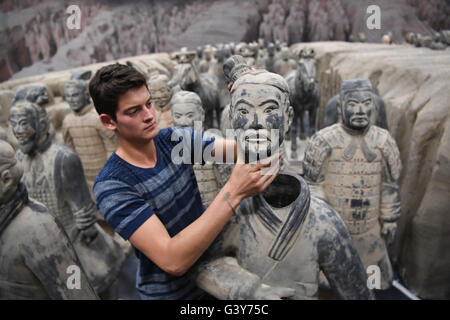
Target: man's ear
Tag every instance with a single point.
(108, 122)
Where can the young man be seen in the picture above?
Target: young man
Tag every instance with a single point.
(152, 201)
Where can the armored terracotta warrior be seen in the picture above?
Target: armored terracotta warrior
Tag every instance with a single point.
(268, 61)
(276, 244)
(243, 49)
(161, 96)
(84, 132)
(207, 60)
(186, 109)
(35, 253)
(355, 167)
(377, 117)
(53, 175)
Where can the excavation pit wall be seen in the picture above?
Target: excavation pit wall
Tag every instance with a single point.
(414, 83)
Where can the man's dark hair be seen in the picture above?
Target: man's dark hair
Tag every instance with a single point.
(110, 83)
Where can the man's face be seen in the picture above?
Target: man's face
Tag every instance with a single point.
(160, 95)
(259, 112)
(357, 108)
(185, 114)
(75, 97)
(39, 95)
(23, 125)
(135, 116)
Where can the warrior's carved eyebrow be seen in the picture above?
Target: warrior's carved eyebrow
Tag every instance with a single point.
(269, 101)
(243, 101)
(359, 100)
(262, 103)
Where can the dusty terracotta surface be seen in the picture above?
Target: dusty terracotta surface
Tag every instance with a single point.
(35, 251)
(53, 175)
(357, 174)
(259, 252)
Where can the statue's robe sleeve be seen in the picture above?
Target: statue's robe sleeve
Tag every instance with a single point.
(390, 193)
(50, 256)
(68, 141)
(314, 163)
(75, 189)
(338, 258)
(218, 271)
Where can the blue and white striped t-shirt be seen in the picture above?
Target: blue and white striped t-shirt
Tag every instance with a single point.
(127, 196)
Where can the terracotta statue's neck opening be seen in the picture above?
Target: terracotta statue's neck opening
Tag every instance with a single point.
(282, 192)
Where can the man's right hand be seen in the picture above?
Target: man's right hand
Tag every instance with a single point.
(248, 180)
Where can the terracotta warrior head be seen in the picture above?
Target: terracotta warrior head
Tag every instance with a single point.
(208, 52)
(37, 93)
(160, 91)
(356, 103)
(76, 94)
(186, 109)
(260, 112)
(234, 67)
(10, 172)
(30, 125)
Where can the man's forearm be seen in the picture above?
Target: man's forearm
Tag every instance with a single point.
(188, 245)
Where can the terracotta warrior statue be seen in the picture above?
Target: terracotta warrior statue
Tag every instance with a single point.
(161, 96)
(41, 94)
(207, 59)
(187, 110)
(84, 132)
(285, 63)
(355, 167)
(6, 99)
(35, 252)
(378, 114)
(276, 243)
(243, 49)
(53, 175)
(268, 60)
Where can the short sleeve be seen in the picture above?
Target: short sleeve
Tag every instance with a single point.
(122, 207)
